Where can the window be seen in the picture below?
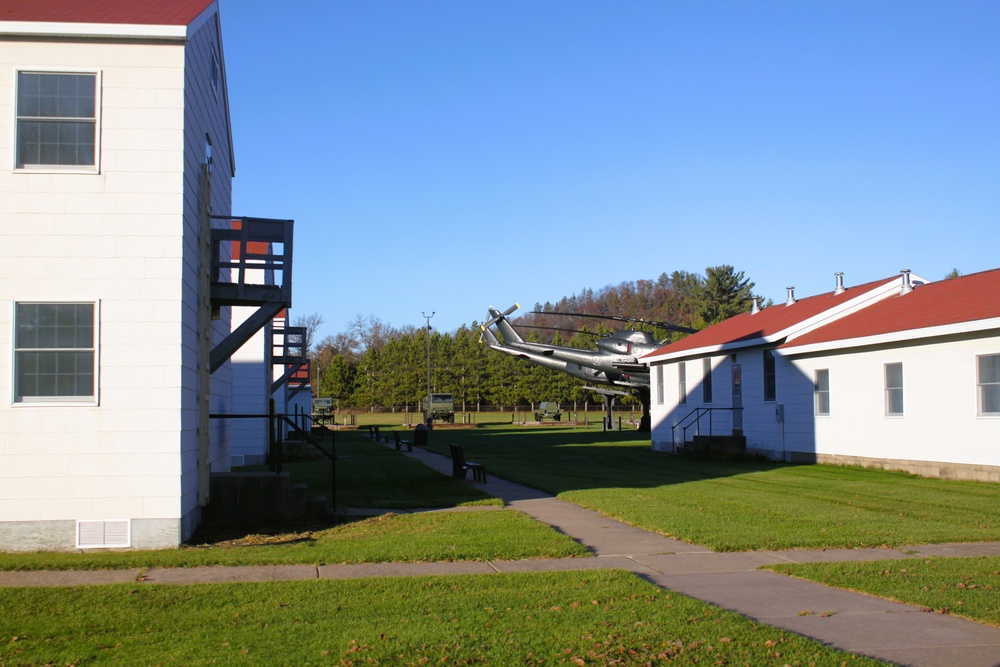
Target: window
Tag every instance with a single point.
(770, 388)
(894, 389)
(988, 380)
(56, 120)
(215, 72)
(821, 389)
(659, 385)
(54, 352)
(706, 380)
(682, 394)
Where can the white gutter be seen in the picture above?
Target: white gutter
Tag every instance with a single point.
(93, 30)
(959, 328)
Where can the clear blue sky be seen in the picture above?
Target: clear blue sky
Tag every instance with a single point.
(447, 156)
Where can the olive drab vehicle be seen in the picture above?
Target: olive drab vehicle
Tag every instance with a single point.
(440, 407)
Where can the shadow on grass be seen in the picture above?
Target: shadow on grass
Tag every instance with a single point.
(561, 460)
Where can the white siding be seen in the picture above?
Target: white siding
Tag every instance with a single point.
(205, 113)
(940, 424)
(251, 375)
(940, 420)
(122, 238)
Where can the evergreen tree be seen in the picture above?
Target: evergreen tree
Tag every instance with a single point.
(724, 294)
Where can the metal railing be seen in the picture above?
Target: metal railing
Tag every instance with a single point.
(693, 419)
(295, 426)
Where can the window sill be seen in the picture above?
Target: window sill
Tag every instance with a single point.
(55, 169)
(49, 403)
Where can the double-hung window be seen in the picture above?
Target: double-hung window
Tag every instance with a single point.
(56, 120)
(821, 389)
(659, 383)
(682, 390)
(894, 390)
(770, 382)
(54, 352)
(988, 381)
(706, 381)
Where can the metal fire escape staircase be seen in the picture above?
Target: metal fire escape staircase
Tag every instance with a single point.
(251, 266)
(289, 352)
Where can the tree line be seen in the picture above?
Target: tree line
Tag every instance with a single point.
(375, 365)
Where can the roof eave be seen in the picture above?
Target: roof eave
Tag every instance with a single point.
(709, 350)
(94, 30)
(959, 328)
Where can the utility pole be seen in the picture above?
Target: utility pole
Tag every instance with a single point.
(427, 413)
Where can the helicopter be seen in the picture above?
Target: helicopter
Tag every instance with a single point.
(615, 362)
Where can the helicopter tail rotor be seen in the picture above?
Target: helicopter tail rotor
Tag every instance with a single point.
(497, 316)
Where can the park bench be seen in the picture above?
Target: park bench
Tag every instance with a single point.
(459, 466)
(400, 442)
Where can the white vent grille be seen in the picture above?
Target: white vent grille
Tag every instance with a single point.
(103, 533)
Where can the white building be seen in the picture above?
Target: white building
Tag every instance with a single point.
(899, 373)
(115, 151)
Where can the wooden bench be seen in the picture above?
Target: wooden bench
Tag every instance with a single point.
(400, 442)
(460, 467)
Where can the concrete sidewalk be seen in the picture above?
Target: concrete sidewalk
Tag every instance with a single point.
(904, 634)
(900, 633)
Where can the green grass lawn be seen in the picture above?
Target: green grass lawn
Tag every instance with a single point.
(479, 535)
(370, 474)
(967, 587)
(735, 506)
(513, 619)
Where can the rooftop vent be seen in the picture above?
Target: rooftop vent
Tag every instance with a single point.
(791, 295)
(840, 283)
(907, 286)
(755, 308)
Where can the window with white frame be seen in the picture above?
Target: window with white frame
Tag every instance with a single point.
(894, 390)
(56, 120)
(215, 72)
(682, 392)
(770, 384)
(54, 352)
(988, 382)
(706, 380)
(821, 389)
(659, 384)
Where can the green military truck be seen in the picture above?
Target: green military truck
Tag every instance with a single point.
(439, 407)
(548, 410)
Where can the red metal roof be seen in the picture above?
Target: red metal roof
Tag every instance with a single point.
(964, 299)
(767, 322)
(129, 12)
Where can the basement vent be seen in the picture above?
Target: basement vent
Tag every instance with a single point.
(103, 534)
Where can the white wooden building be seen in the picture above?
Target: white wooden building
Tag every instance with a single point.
(900, 373)
(115, 152)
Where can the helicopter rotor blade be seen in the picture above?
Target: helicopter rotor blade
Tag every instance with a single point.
(619, 318)
(579, 331)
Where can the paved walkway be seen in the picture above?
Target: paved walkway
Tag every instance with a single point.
(904, 634)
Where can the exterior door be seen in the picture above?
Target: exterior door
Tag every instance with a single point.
(737, 399)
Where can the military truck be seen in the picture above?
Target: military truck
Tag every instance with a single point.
(440, 407)
(548, 410)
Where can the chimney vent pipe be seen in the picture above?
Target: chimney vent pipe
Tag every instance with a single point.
(840, 283)
(907, 287)
(791, 295)
(756, 305)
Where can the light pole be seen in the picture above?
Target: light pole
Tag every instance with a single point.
(427, 414)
